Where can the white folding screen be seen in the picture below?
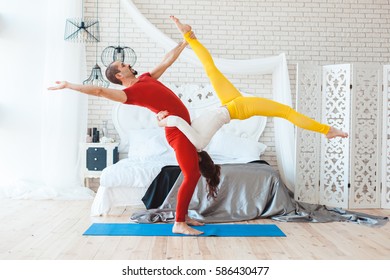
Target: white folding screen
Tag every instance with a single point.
(366, 136)
(348, 172)
(335, 152)
(308, 143)
(386, 139)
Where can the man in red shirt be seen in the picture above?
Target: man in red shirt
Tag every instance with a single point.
(147, 91)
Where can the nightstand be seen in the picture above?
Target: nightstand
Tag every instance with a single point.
(96, 157)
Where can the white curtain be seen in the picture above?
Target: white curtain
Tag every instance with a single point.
(40, 130)
(276, 65)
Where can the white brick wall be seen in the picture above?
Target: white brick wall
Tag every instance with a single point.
(308, 31)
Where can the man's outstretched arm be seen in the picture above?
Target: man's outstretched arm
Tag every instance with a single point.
(112, 94)
(168, 60)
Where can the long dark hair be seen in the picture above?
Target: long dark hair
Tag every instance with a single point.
(211, 172)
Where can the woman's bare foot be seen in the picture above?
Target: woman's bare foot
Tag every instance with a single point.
(192, 222)
(334, 132)
(183, 28)
(183, 228)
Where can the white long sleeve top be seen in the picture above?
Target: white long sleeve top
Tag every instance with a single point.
(202, 128)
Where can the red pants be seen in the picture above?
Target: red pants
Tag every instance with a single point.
(187, 157)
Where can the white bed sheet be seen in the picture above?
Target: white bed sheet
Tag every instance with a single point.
(124, 183)
(129, 172)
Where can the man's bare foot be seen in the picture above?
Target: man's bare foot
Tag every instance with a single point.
(183, 28)
(183, 228)
(334, 132)
(192, 222)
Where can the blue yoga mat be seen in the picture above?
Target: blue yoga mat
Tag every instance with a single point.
(125, 229)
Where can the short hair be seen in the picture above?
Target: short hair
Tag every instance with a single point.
(111, 71)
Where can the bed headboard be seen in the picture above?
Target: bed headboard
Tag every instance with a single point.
(127, 118)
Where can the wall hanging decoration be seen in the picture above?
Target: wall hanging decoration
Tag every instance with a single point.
(119, 53)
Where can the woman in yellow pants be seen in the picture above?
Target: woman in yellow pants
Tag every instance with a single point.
(241, 107)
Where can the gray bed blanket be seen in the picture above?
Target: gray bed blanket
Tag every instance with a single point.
(246, 192)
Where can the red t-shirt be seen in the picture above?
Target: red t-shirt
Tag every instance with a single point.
(150, 93)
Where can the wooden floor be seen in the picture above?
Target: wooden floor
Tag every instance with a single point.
(52, 230)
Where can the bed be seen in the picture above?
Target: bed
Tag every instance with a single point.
(249, 187)
(144, 143)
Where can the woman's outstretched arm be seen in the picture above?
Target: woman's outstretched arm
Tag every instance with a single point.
(175, 121)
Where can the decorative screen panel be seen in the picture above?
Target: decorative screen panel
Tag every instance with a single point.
(386, 139)
(365, 136)
(335, 152)
(308, 142)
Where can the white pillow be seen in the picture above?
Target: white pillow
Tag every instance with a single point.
(235, 147)
(146, 143)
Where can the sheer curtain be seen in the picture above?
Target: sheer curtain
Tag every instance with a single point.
(40, 130)
(276, 65)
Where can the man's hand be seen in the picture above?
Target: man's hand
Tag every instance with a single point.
(60, 85)
(192, 35)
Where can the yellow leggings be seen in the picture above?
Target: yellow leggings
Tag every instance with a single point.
(241, 107)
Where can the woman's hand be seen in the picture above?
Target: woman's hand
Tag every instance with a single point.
(161, 118)
(162, 115)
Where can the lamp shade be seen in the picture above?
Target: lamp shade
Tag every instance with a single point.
(124, 54)
(96, 78)
(82, 30)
